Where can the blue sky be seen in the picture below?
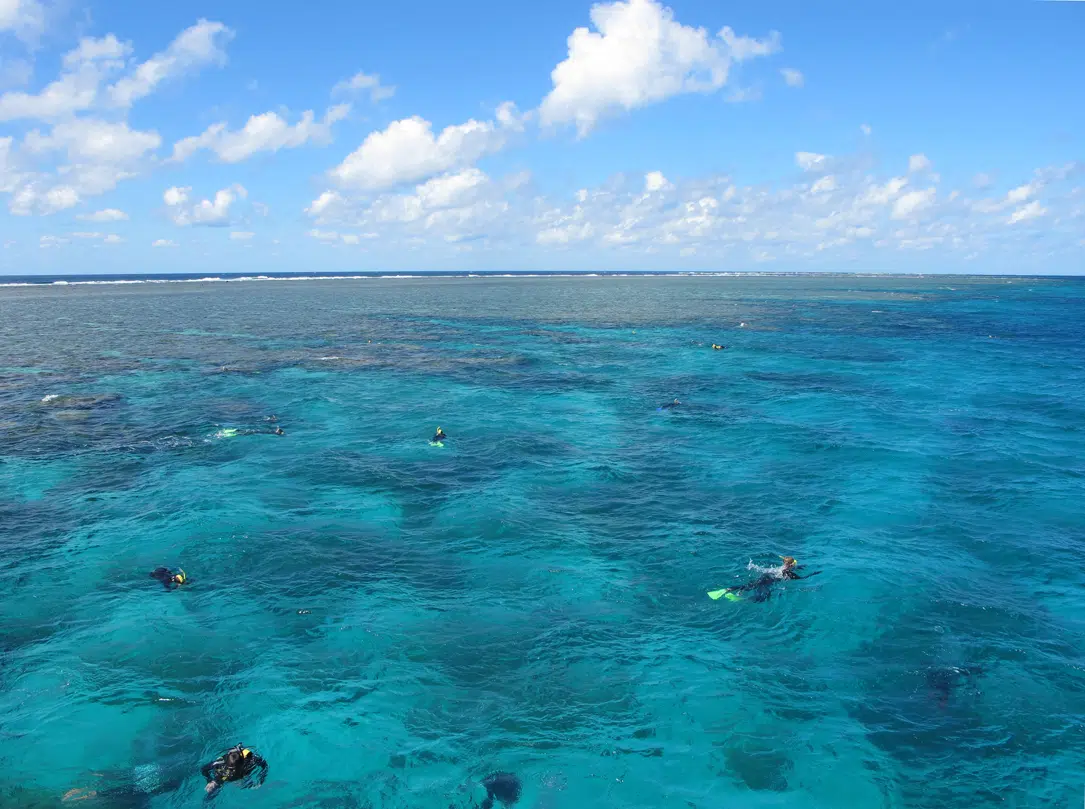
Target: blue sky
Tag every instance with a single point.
(692, 135)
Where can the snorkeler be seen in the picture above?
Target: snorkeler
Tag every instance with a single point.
(236, 764)
(504, 786)
(762, 586)
(439, 436)
(171, 579)
(669, 405)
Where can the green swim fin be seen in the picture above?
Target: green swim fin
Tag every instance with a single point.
(716, 595)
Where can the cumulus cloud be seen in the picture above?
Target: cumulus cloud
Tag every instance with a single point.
(1033, 210)
(408, 150)
(206, 212)
(793, 77)
(852, 214)
(23, 18)
(918, 163)
(638, 55)
(365, 83)
(811, 161)
(94, 141)
(84, 68)
(912, 203)
(90, 147)
(87, 67)
(268, 132)
(194, 48)
(105, 215)
(655, 181)
(163, 243)
(94, 156)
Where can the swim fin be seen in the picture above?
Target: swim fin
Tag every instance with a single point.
(716, 595)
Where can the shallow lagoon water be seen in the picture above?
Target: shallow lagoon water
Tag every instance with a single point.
(387, 622)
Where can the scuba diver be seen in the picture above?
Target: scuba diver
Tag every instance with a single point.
(439, 436)
(762, 586)
(236, 764)
(718, 347)
(669, 405)
(504, 786)
(171, 579)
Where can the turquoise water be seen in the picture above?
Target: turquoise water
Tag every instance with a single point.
(387, 622)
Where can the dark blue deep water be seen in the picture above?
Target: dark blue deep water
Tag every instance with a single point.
(387, 622)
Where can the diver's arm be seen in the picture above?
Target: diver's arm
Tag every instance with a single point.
(209, 768)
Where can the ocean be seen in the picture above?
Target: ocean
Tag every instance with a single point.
(386, 622)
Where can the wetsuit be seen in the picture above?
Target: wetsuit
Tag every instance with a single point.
(167, 576)
(762, 587)
(439, 437)
(669, 405)
(221, 770)
(504, 786)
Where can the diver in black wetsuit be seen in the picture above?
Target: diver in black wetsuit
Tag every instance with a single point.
(669, 405)
(236, 764)
(439, 436)
(504, 786)
(171, 579)
(762, 586)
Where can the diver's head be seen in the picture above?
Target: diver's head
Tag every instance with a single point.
(789, 562)
(179, 577)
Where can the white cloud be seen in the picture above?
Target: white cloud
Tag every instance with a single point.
(163, 243)
(912, 203)
(639, 55)
(325, 203)
(362, 82)
(918, 163)
(824, 185)
(208, 213)
(262, 133)
(176, 196)
(194, 48)
(85, 235)
(242, 235)
(85, 68)
(23, 18)
(408, 151)
(1022, 193)
(112, 238)
(106, 215)
(865, 129)
(1033, 210)
(655, 181)
(76, 89)
(37, 198)
(46, 242)
(811, 161)
(565, 234)
(92, 141)
(793, 77)
(326, 236)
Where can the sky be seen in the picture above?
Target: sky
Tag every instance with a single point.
(625, 135)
